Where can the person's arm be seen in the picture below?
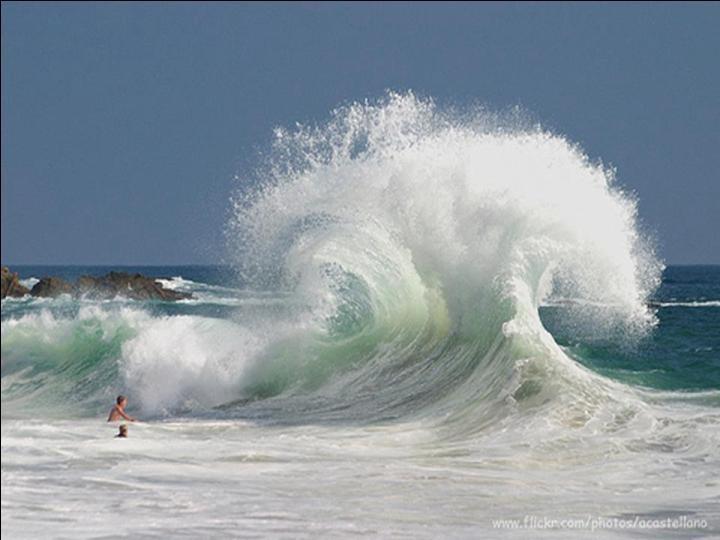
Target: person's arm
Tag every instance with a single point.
(126, 416)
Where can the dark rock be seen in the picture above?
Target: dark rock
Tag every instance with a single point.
(10, 285)
(114, 284)
(51, 287)
(134, 286)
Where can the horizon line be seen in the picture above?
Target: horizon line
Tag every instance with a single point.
(151, 265)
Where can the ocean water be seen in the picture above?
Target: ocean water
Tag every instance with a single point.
(429, 325)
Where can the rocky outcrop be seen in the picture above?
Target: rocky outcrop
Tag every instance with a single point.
(50, 287)
(10, 285)
(135, 286)
(114, 284)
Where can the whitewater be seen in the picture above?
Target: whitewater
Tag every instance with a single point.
(432, 322)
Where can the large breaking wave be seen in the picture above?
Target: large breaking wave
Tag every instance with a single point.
(417, 246)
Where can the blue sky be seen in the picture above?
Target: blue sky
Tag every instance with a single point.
(123, 124)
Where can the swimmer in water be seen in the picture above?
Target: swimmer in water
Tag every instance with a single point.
(123, 432)
(118, 410)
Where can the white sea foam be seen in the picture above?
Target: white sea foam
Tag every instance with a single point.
(691, 304)
(29, 282)
(186, 362)
(177, 283)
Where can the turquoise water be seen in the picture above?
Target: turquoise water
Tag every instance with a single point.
(683, 350)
